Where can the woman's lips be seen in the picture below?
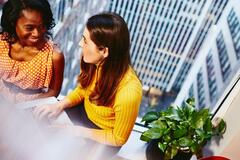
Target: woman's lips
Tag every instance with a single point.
(34, 40)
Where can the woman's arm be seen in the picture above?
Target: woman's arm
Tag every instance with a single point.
(126, 110)
(51, 111)
(57, 75)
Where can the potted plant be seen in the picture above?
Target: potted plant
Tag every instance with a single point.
(180, 130)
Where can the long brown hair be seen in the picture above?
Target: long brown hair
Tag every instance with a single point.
(111, 31)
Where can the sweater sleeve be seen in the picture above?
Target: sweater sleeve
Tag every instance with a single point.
(126, 108)
(76, 96)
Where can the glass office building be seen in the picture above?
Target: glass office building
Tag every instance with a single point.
(167, 40)
(166, 36)
(217, 66)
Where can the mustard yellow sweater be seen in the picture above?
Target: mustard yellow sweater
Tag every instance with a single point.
(117, 121)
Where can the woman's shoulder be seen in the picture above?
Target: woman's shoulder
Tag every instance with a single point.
(56, 49)
(130, 87)
(130, 75)
(130, 79)
(57, 54)
(51, 47)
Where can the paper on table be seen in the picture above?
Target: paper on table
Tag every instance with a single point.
(61, 119)
(57, 140)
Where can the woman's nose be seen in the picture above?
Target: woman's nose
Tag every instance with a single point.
(81, 43)
(35, 32)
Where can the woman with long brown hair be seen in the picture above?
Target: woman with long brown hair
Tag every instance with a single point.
(108, 87)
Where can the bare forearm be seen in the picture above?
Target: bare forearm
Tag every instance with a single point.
(52, 110)
(49, 93)
(65, 103)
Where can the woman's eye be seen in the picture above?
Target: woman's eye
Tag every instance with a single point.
(28, 28)
(84, 39)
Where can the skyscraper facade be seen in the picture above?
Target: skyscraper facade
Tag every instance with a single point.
(211, 18)
(165, 34)
(217, 66)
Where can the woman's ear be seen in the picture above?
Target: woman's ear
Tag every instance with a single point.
(105, 52)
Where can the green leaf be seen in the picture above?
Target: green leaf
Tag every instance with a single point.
(150, 116)
(172, 113)
(185, 142)
(208, 135)
(181, 114)
(221, 128)
(200, 135)
(162, 146)
(153, 133)
(197, 123)
(191, 101)
(179, 132)
(171, 124)
(208, 125)
(158, 124)
(167, 138)
(145, 138)
(187, 113)
(194, 147)
(204, 113)
(168, 130)
(189, 108)
(199, 118)
(174, 143)
(185, 124)
(170, 153)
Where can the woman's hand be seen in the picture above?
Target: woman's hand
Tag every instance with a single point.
(49, 111)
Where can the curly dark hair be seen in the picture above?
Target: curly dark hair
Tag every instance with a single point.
(12, 11)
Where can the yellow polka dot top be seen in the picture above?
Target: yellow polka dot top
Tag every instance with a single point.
(34, 74)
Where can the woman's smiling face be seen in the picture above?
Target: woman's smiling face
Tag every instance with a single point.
(30, 28)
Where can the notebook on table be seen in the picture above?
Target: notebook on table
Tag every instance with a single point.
(30, 105)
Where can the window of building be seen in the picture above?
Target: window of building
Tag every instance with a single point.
(212, 84)
(234, 27)
(223, 57)
(200, 89)
(191, 91)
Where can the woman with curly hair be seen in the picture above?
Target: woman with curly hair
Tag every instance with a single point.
(31, 66)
